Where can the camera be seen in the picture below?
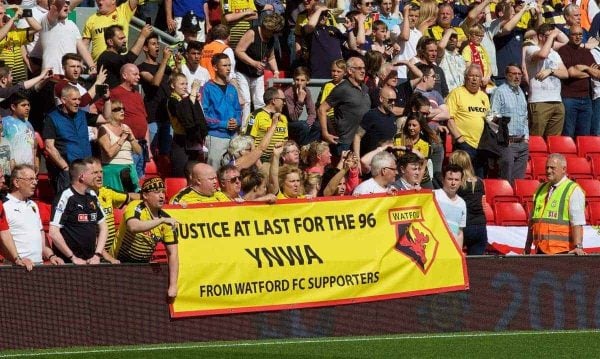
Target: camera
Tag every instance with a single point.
(27, 13)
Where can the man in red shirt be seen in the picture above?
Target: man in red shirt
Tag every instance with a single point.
(135, 112)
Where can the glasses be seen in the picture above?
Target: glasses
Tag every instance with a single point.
(516, 73)
(279, 98)
(368, 4)
(395, 169)
(357, 67)
(233, 179)
(29, 179)
(118, 109)
(390, 100)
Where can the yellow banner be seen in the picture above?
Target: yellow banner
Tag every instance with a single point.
(244, 258)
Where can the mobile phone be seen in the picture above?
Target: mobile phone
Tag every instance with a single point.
(27, 13)
(148, 20)
(101, 90)
(50, 72)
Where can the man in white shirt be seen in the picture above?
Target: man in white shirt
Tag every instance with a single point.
(192, 69)
(407, 39)
(545, 69)
(452, 206)
(383, 170)
(26, 233)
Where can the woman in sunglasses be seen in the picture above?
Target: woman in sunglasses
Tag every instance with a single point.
(117, 144)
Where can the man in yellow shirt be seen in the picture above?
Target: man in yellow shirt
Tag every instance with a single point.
(468, 107)
(203, 187)
(108, 14)
(262, 119)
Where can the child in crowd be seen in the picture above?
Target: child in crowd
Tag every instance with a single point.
(299, 102)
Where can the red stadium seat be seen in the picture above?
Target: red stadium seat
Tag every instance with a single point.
(537, 147)
(269, 75)
(591, 187)
(151, 169)
(595, 161)
(489, 214)
(498, 190)
(525, 189)
(588, 146)
(44, 191)
(579, 167)
(594, 210)
(118, 214)
(538, 168)
(45, 214)
(510, 214)
(174, 185)
(563, 145)
(448, 146)
(528, 174)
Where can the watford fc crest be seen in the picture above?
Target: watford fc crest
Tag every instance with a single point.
(413, 239)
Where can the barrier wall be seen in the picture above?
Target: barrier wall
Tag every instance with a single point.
(125, 304)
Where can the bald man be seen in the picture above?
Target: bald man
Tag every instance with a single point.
(204, 187)
(575, 90)
(135, 112)
(377, 125)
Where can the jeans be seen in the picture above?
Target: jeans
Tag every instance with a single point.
(478, 164)
(304, 134)
(140, 160)
(475, 239)
(578, 116)
(595, 127)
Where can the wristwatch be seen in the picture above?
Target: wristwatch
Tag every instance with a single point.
(580, 246)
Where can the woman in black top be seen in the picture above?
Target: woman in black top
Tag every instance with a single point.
(472, 192)
(253, 53)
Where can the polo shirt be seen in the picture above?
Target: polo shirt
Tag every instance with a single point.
(77, 216)
(70, 133)
(349, 104)
(25, 224)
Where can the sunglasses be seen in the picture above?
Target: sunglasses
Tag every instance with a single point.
(233, 179)
(118, 109)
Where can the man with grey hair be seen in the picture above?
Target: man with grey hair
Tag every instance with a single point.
(350, 101)
(557, 218)
(573, 15)
(384, 171)
(468, 105)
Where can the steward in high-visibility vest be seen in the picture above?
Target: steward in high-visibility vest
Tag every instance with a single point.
(550, 223)
(557, 219)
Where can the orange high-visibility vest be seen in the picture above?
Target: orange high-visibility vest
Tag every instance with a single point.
(550, 223)
(210, 49)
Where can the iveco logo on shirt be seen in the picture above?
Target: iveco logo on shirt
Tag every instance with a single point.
(477, 109)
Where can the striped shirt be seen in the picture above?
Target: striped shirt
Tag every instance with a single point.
(138, 247)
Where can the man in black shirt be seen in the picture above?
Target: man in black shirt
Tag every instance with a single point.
(78, 229)
(350, 101)
(113, 58)
(155, 83)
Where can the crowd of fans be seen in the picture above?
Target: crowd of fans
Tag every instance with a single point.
(402, 78)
